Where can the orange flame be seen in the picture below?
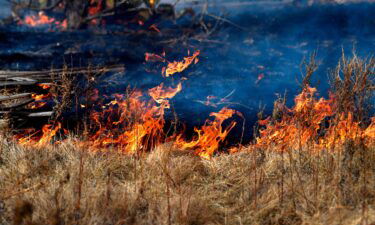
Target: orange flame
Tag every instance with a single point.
(42, 19)
(129, 124)
(304, 126)
(35, 140)
(135, 123)
(178, 67)
(36, 105)
(44, 85)
(210, 135)
(160, 94)
(40, 97)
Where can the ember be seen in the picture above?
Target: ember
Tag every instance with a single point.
(42, 20)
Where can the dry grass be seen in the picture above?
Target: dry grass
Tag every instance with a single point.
(64, 185)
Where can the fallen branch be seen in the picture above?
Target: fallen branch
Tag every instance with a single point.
(28, 114)
(17, 105)
(12, 97)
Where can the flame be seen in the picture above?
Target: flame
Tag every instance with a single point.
(36, 105)
(155, 28)
(130, 124)
(94, 9)
(210, 135)
(304, 126)
(178, 67)
(39, 139)
(152, 57)
(44, 85)
(152, 3)
(42, 19)
(39, 100)
(160, 94)
(134, 123)
(40, 97)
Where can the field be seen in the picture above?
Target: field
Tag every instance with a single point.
(149, 115)
(293, 173)
(66, 185)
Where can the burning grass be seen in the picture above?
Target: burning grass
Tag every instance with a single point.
(134, 122)
(312, 163)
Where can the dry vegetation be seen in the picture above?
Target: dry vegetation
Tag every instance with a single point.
(66, 184)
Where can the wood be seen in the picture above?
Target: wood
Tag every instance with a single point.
(6, 74)
(12, 97)
(24, 83)
(17, 105)
(41, 114)
(28, 114)
(19, 83)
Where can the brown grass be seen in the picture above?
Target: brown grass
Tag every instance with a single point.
(67, 185)
(63, 185)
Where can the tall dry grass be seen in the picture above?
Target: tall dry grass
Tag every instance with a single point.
(66, 184)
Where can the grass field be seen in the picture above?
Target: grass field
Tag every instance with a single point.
(66, 185)
(310, 164)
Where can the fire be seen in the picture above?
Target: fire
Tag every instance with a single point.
(45, 86)
(94, 9)
(160, 94)
(42, 19)
(40, 100)
(41, 96)
(178, 67)
(154, 27)
(304, 126)
(152, 57)
(152, 3)
(130, 124)
(134, 123)
(347, 129)
(210, 135)
(41, 138)
(36, 105)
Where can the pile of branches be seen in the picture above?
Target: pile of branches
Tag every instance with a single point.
(79, 13)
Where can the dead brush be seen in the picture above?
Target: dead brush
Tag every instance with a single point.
(262, 186)
(353, 86)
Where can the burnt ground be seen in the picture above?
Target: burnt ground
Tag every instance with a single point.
(271, 41)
